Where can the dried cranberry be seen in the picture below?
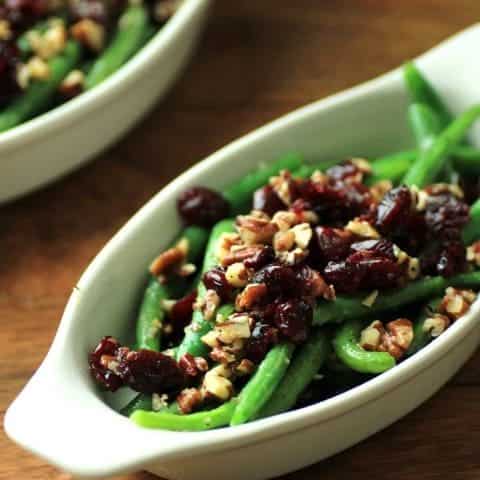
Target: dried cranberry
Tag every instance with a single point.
(445, 215)
(279, 279)
(21, 14)
(202, 206)
(363, 270)
(332, 243)
(107, 347)
(471, 188)
(346, 170)
(181, 314)
(147, 371)
(382, 248)
(397, 219)
(394, 208)
(260, 258)
(294, 318)
(444, 258)
(266, 200)
(336, 202)
(9, 60)
(215, 279)
(262, 338)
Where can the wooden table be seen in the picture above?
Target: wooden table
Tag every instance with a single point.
(258, 60)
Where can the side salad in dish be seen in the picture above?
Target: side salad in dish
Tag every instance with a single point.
(301, 281)
(53, 50)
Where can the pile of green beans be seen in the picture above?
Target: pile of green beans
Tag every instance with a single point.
(288, 370)
(134, 29)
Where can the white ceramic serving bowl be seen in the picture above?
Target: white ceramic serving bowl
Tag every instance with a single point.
(61, 416)
(53, 144)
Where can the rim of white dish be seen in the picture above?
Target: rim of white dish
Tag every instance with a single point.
(44, 124)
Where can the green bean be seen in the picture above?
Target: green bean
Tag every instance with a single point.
(421, 337)
(193, 422)
(471, 231)
(140, 402)
(424, 123)
(391, 167)
(345, 344)
(261, 386)
(305, 365)
(239, 195)
(351, 307)
(466, 160)
(192, 342)
(431, 161)
(422, 92)
(40, 94)
(128, 39)
(152, 312)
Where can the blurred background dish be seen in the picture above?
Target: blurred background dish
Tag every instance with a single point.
(50, 145)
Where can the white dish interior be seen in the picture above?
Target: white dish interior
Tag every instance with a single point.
(60, 414)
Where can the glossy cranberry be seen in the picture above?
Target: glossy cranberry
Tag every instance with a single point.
(262, 338)
(266, 200)
(9, 60)
(395, 207)
(279, 279)
(108, 346)
(261, 258)
(23, 13)
(471, 188)
(147, 371)
(381, 248)
(181, 314)
(336, 202)
(445, 215)
(397, 219)
(215, 279)
(363, 270)
(333, 243)
(202, 206)
(293, 319)
(445, 258)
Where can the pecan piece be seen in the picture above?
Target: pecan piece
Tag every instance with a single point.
(188, 399)
(252, 294)
(256, 228)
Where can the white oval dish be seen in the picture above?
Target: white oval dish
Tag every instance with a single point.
(60, 414)
(50, 145)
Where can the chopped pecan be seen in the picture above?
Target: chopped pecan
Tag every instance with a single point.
(436, 324)
(456, 302)
(473, 253)
(225, 246)
(282, 185)
(48, 44)
(439, 188)
(251, 295)
(256, 228)
(216, 383)
(293, 257)
(303, 234)
(237, 275)
(362, 228)
(188, 399)
(395, 338)
(235, 328)
(379, 189)
(245, 367)
(193, 365)
(159, 401)
(220, 355)
(283, 240)
(284, 220)
(89, 33)
(170, 258)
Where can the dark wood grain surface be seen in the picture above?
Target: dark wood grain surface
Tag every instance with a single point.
(257, 60)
